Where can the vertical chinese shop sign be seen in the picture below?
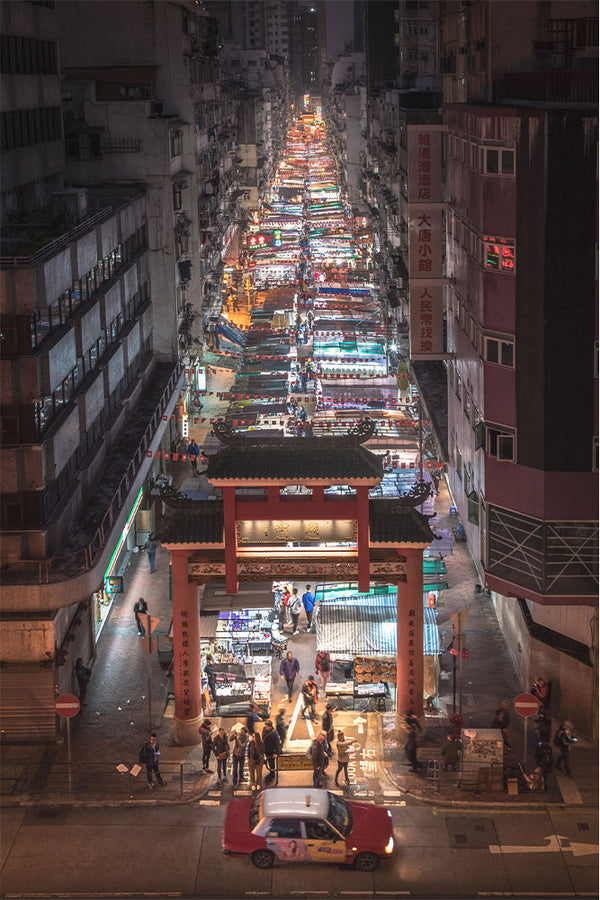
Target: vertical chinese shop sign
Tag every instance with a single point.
(426, 264)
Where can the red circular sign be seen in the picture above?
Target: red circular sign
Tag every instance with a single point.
(526, 705)
(67, 705)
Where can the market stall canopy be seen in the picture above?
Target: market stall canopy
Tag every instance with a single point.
(368, 626)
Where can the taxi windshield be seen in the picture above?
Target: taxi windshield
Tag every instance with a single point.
(340, 815)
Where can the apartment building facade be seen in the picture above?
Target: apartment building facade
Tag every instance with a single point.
(522, 318)
(78, 363)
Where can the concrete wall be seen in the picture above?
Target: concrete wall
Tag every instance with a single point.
(574, 684)
(26, 641)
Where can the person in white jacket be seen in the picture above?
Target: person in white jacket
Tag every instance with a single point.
(295, 608)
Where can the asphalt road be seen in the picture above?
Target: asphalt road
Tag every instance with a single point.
(175, 852)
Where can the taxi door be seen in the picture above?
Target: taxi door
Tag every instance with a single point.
(323, 843)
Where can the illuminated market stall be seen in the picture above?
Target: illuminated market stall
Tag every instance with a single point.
(367, 624)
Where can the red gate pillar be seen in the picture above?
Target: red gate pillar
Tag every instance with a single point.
(364, 561)
(409, 661)
(230, 535)
(187, 675)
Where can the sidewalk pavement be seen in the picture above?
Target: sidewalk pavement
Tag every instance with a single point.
(115, 720)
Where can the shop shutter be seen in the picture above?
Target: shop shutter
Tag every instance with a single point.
(27, 701)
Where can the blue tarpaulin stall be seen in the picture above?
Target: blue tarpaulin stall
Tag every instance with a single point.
(368, 625)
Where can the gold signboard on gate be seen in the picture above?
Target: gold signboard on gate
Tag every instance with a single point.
(300, 531)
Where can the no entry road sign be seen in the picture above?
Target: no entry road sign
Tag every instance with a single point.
(526, 705)
(67, 705)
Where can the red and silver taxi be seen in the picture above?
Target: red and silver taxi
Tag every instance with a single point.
(307, 825)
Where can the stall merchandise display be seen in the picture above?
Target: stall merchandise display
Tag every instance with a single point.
(340, 689)
(246, 632)
(374, 670)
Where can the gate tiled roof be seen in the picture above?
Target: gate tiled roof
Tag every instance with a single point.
(199, 523)
(391, 522)
(332, 460)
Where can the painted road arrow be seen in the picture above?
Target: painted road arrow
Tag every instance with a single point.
(557, 843)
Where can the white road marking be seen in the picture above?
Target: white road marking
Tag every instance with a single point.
(556, 843)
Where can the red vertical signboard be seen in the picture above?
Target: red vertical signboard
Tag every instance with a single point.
(425, 248)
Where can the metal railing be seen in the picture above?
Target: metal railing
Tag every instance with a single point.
(52, 247)
(63, 565)
(97, 781)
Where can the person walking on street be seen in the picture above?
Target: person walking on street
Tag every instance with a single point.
(451, 751)
(272, 746)
(221, 751)
(150, 548)
(295, 606)
(212, 681)
(323, 667)
(240, 748)
(286, 594)
(140, 608)
(309, 695)
(410, 747)
(83, 675)
(343, 756)
(281, 613)
(317, 755)
(544, 723)
(151, 754)
(280, 726)
(502, 720)
(327, 724)
(193, 452)
(563, 740)
(256, 756)
(545, 760)
(541, 691)
(288, 669)
(308, 602)
(252, 718)
(207, 745)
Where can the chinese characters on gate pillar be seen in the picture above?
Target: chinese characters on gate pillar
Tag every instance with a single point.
(184, 663)
(411, 654)
(425, 241)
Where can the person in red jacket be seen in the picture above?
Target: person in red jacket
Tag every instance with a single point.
(323, 667)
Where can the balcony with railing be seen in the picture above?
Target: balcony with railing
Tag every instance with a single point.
(92, 530)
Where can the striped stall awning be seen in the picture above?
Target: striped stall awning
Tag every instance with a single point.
(366, 626)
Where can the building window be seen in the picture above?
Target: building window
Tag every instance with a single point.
(459, 464)
(177, 197)
(499, 254)
(467, 404)
(499, 352)
(468, 480)
(458, 386)
(473, 508)
(500, 444)
(176, 140)
(497, 161)
(473, 332)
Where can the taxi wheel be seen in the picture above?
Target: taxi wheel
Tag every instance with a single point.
(366, 862)
(262, 859)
